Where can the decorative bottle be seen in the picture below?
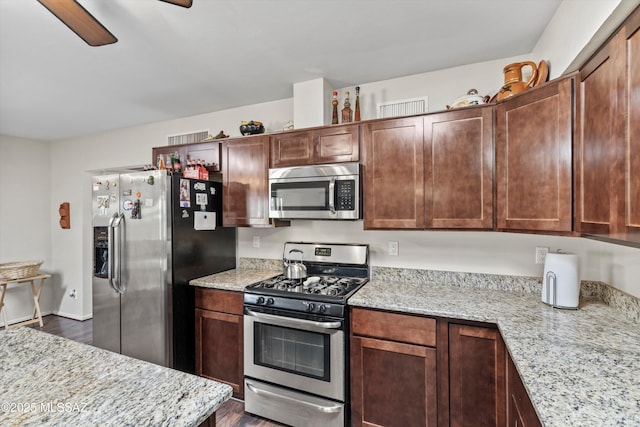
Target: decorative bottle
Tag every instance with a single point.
(356, 116)
(346, 111)
(334, 102)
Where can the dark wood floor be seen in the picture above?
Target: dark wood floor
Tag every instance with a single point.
(230, 414)
(68, 328)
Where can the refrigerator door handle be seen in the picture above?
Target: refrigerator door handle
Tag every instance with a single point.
(117, 255)
(111, 252)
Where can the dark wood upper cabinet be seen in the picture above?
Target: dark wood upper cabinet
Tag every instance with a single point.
(331, 144)
(291, 149)
(598, 159)
(534, 137)
(477, 376)
(245, 181)
(631, 149)
(607, 181)
(336, 144)
(393, 157)
(459, 168)
(433, 171)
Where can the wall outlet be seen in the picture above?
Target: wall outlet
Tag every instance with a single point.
(393, 248)
(256, 241)
(541, 254)
(73, 294)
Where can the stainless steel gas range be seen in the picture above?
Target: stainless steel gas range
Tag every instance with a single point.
(296, 337)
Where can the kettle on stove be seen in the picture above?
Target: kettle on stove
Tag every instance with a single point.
(560, 282)
(295, 269)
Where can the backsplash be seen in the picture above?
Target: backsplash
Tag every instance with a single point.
(624, 302)
(260, 264)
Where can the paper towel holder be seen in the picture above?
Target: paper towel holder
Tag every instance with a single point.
(560, 281)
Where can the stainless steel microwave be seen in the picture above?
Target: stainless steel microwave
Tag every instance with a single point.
(315, 192)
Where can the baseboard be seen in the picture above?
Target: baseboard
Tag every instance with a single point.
(73, 316)
(23, 318)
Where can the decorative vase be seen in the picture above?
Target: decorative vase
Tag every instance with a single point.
(513, 83)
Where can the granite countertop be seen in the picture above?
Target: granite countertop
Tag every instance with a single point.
(49, 380)
(580, 367)
(234, 280)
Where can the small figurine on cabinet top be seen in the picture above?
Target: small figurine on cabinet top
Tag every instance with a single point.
(356, 115)
(346, 111)
(334, 103)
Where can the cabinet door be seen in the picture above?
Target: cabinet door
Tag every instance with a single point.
(632, 148)
(392, 384)
(459, 170)
(336, 144)
(245, 181)
(219, 354)
(476, 377)
(394, 161)
(291, 149)
(520, 410)
(534, 135)
(598, 160)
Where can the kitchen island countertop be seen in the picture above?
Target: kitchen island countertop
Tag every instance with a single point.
(234, 280)
(580, 367)
(49, 380)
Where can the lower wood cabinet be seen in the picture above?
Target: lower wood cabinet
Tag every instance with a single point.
(393, 383)
(477, 380)
(520, 410)
(411, 370)
(219, 337)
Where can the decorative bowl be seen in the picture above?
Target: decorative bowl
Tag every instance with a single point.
(251, 128)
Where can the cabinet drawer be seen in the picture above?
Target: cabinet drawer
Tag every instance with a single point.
(222, 301)
(394, 326)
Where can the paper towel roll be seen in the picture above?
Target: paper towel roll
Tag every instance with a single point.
(561, 281)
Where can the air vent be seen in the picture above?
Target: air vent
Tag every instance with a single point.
(188, 138)
(404, 107)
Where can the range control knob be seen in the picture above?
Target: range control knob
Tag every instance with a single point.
(311, 306)
(322, 308)
(260, 300)
(270, 301)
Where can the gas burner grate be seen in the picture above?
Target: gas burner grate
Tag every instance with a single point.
(332, 286)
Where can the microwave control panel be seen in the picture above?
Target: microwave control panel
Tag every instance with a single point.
(345, 195)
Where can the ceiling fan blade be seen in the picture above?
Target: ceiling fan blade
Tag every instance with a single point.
(183, 3)
(80, 21)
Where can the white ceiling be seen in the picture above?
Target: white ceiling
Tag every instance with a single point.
(172, 62)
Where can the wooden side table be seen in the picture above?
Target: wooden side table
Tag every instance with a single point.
(36, 291)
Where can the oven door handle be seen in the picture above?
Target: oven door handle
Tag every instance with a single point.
(326, 409)
(294, 321)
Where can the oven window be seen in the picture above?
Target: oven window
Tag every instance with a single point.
(292, 350)
(300, 196)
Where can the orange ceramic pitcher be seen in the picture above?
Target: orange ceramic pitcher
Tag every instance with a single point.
(513, 83)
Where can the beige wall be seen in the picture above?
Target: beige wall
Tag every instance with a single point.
(26, 219)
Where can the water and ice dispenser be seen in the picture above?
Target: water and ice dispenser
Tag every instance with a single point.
(100, 251)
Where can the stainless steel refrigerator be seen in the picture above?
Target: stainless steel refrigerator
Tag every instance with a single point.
(154, 232)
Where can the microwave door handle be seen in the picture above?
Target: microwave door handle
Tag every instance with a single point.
(332, 195)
